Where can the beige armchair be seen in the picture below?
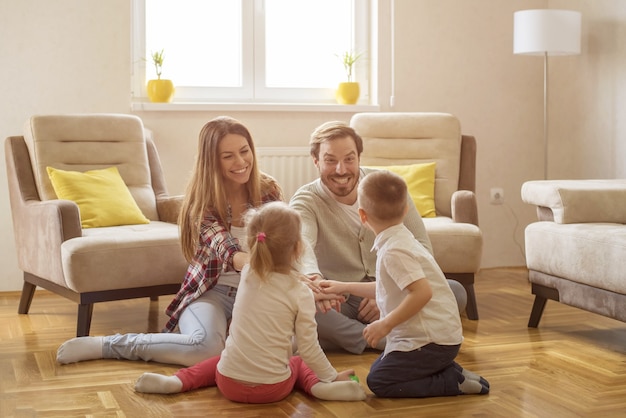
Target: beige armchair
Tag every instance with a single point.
(99, 264)
(409, 138)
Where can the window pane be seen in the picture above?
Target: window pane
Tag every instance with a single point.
(201, 41)
(303, 39)
(250, 50)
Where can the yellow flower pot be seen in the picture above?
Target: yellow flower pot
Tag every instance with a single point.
(347, 93)
(160, 91)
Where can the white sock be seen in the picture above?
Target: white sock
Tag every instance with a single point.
(339, 391)
(470, 375)
(470, 386)
(473, 387)
(473, 376)
(80, 349)
(158, 383)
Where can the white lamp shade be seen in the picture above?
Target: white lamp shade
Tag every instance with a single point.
(555, 32)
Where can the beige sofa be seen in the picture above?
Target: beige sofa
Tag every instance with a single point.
(576, 252)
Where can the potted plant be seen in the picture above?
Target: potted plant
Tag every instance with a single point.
(159, 90)
(348, 91)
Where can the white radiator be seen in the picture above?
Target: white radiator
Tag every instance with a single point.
(290, 166)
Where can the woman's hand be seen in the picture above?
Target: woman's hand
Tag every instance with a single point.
(240, 259)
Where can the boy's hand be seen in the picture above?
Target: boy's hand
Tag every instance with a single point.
(332, 287)
(375, 331)
(325, 301)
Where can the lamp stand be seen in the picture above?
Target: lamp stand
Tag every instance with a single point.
(546, 32)
(545, 115)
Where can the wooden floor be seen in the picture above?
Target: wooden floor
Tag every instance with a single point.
(573, 365)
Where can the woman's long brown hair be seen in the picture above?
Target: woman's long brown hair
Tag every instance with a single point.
(205, 190)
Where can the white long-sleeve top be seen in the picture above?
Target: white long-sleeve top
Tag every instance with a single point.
(266, 315)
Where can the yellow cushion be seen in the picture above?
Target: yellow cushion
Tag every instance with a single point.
(420, 181)
(101, 195)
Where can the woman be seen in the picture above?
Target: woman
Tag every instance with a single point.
(226, 182)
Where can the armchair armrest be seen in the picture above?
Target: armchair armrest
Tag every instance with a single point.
(577, 201)
(41, 227)
(169, 207)
(464, 207)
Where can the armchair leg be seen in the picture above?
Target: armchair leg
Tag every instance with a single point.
(535, 315)
(84, 319)
(542, 294)
(471, 309)
(28, 291)
(467, 280)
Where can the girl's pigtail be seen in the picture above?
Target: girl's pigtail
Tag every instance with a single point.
(260, 255)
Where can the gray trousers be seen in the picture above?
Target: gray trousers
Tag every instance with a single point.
(342, 330)
(203, 329)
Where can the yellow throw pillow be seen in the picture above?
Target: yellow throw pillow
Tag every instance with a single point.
(420, 181)
(101, 195)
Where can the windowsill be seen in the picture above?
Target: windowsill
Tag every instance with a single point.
(251, 107)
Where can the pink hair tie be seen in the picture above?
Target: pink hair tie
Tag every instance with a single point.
(260, 237)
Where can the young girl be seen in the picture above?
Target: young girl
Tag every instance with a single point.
(226, 182)
(272, 307)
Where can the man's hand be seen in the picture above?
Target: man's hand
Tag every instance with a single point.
(327, 303)
(368, 311)
(324, 301)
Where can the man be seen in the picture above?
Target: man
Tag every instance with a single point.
(337, 245)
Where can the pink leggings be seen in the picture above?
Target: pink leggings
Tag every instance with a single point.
(205, 374)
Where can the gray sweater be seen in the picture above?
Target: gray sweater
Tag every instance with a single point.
(334, 246)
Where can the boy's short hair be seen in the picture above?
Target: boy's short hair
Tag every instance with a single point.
(383, 195)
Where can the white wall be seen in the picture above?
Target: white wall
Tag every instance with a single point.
(452, 55)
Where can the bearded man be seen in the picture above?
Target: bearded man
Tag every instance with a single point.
(337, 245)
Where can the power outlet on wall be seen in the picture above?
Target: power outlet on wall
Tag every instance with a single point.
(497, 196)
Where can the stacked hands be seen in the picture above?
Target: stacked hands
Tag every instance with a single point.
(329, 295)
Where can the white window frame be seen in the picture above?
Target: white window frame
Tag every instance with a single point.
(187, 96)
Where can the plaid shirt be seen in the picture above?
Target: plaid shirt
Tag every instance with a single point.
(215, 254)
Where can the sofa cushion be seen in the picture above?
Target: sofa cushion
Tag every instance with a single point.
(101, 195)
(420, 182)
(132, 255)
(592, 254)
(400, 138)
(83, 142)
(576, 201)
(457, 247)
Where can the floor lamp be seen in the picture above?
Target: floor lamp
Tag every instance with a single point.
(546, 32)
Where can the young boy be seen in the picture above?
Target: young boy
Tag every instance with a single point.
(418, 312)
